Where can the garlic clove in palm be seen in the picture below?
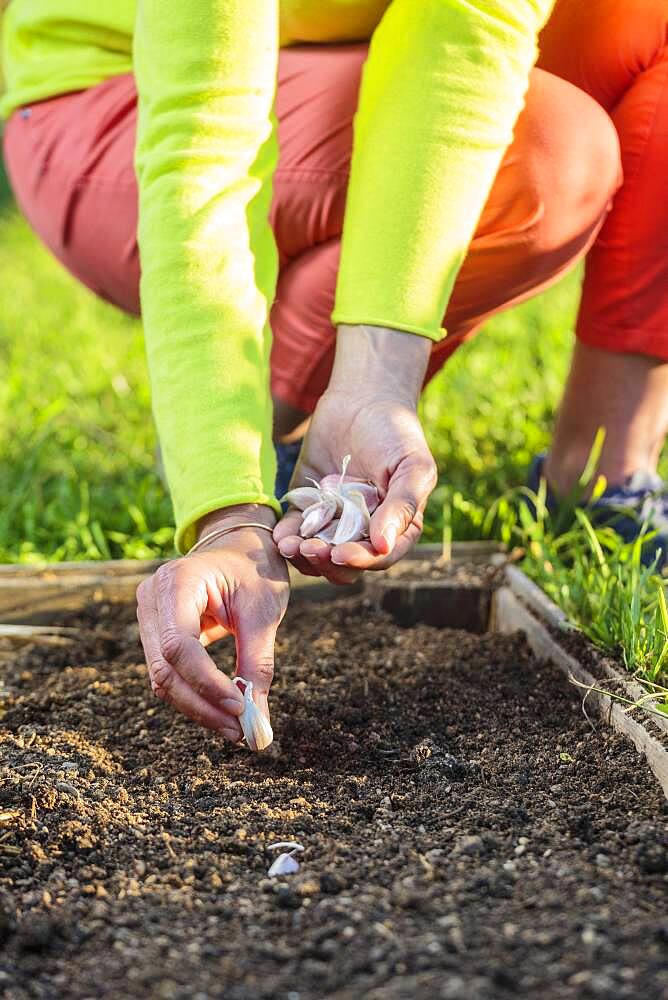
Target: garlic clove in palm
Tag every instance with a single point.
(354, 522)
(368, 491)
(302, 497)
(328, 532)
(320, 514)
(255, 726)
(334, 510)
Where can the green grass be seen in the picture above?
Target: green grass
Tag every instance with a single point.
(604, 586)
(78, 478)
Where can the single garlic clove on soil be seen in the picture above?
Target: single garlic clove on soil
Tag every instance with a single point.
(256, 728)
(284, 864)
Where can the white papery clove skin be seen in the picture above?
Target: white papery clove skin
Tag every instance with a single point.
(255, 726)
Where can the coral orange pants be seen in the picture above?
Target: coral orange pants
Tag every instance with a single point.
(602, 84)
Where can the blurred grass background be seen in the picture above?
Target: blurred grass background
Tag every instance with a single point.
(78, 477)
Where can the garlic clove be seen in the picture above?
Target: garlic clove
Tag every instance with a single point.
(255, 726)
(369, 493)
(302, 497)
(332, 482)
(354, 523)
(285, 864)
(329, 531)
(334, 510)
(319, 514)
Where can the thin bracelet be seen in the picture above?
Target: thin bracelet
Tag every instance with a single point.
(219, 532)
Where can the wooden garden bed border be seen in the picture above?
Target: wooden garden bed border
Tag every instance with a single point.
(520, 604)
(36, 594)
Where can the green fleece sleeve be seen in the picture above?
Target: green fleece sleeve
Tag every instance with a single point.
(206, 150)
(442, 89)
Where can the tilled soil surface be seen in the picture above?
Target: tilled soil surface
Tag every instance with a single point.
(468, 836)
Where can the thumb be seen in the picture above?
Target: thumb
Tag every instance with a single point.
(406, 498)
(255, 658)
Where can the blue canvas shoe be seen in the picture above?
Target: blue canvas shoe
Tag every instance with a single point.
(641, 500)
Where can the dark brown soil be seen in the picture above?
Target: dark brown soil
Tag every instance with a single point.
(467, 834)
(455, 573)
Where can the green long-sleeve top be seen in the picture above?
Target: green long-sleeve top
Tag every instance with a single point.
(442, 88)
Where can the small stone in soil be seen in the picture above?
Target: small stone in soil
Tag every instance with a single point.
(286, 898)
(38, 933)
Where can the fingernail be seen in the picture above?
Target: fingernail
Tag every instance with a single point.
(390, 535)
(337, 559)
(233, 705)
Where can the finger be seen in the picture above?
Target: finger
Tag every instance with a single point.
(211, 630)
(180, 600)
(169, 686)
(363, 556)
(309, 556)
(255, 656)
(406, 498)
(318, 554)
(289, 546)
(301, 563)
(287, 527)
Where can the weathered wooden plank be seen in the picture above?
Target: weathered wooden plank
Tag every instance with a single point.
(41, 598)
(38, 594)
(53, 571)
(512, 615)
(532, 595)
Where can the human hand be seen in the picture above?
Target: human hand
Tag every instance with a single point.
(369, 412)
(236, 585)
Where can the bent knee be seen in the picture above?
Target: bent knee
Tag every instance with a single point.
(575, 165)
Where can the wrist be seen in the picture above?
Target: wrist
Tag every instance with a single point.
(371, 359)
(239, 514)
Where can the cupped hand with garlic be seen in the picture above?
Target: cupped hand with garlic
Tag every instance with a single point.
(368, 514)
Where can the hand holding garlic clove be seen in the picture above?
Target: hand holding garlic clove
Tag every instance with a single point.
(370, 412)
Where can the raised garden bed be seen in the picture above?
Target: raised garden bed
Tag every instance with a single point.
(468, 833)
